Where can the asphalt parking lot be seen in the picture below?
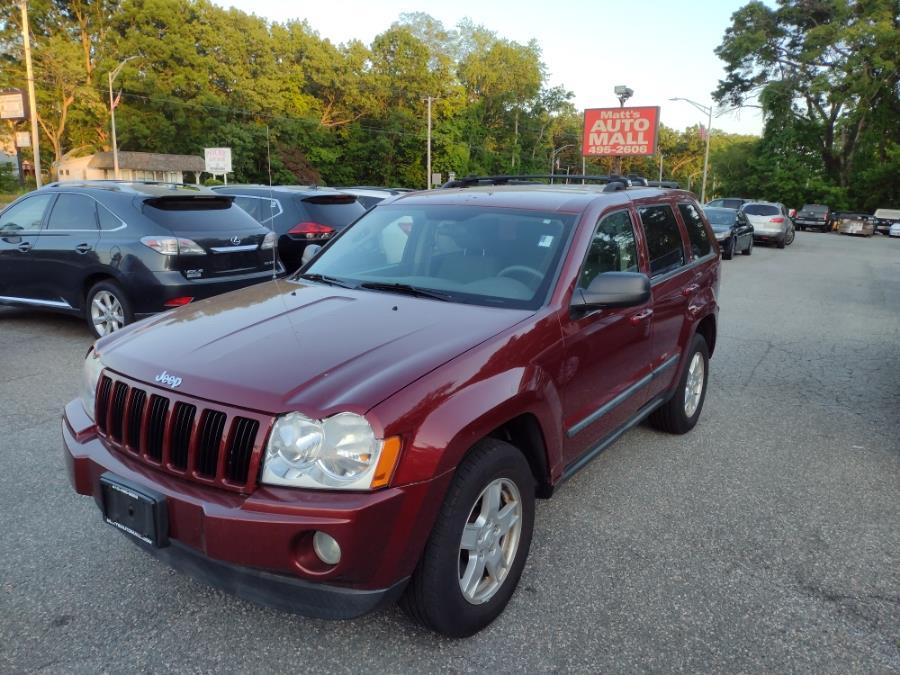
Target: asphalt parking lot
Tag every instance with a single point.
(766, 539)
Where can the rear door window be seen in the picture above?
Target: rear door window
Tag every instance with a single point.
(664, 243)
(73, 212)
(696, 230)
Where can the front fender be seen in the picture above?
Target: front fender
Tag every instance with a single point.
(447, 433)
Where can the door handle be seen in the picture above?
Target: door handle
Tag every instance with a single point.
(83, 248)
(637, 319)
(688, 291)
(25, 247)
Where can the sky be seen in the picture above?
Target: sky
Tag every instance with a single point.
(660, 49)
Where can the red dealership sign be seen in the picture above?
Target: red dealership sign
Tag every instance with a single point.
(620, 131)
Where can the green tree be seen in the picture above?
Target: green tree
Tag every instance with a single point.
(833, 62)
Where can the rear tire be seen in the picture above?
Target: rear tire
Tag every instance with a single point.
(680, 413)
(435, 597)
(107, 308)
(749, 249)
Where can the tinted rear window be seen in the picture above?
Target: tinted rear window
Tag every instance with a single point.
(726, 203)
(336, 211)
(761, 210)
(186, 214)
(815, 208)
(720, 216)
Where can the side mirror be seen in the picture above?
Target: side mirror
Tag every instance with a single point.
(309, 253)
(613, 289)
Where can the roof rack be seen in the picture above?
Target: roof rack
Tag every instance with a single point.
(613, 182)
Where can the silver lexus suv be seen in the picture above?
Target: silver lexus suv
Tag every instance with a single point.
(771, 222)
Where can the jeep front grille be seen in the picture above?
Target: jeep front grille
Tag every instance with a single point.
(216, 445)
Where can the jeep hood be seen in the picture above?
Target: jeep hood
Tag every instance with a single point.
(283, 345)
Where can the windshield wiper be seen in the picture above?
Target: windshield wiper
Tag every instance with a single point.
(325, 279)
(405, 289)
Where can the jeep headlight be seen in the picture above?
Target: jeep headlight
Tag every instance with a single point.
(340, 452)
(90, 374)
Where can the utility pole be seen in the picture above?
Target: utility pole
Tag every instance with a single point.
(112, 75)
(29, 73)
(708, 110)
(428, 156)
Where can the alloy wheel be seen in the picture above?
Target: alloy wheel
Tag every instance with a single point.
(107, 313)
(490, 540)
(693, 388)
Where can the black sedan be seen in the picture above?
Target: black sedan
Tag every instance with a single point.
(733, 231)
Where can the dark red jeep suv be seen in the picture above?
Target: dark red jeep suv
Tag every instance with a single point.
(378, 426)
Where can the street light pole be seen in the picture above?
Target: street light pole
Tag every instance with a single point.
(555, 153)
(708, 110)
(33, 114)
(623, 93)
(428, 151)
(112, 75)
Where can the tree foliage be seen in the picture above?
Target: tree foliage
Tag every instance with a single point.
(827, 75)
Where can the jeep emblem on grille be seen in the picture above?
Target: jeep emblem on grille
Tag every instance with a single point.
(235, 240)
(169, 380)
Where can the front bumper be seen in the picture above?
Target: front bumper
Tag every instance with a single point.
(259, 546)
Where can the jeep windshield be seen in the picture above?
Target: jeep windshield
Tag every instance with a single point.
(498, 257)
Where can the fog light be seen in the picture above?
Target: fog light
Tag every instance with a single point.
(327, 548)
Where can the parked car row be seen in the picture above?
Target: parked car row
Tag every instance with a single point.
(738, 226)
(820, 217)
(114, 252)
(117, 251)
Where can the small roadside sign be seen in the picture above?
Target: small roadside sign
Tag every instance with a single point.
(218, 160)
(12, 105)
(23, 139)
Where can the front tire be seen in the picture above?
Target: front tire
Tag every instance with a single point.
(728, 249)
(107, 308)
(680, 413)
(789, 236)
(478, 547)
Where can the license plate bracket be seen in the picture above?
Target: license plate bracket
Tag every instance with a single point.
(135, 509)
